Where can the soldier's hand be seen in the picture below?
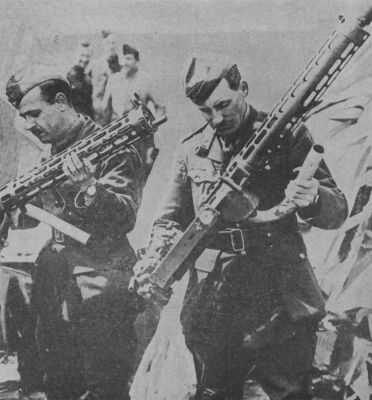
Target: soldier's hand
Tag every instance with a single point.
(143, 285)
(141, 278)
(80, 172)
(142, 266)
(302, 192)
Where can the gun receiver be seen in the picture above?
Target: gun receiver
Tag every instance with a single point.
(111, 140)
(256, 154)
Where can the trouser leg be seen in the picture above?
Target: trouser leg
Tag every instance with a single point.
(55, 334)
(284, 370)
(29, 364)
(107, 336)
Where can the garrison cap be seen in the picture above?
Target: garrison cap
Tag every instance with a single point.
(105, 33)
(203, 73)
(127, 49)
(84, 43)
(29, 77)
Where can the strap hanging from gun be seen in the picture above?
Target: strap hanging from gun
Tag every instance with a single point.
(304, 94)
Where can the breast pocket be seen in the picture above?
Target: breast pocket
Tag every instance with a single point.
(201, 181)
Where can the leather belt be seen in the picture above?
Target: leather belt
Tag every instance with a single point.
(58, 237)
(239, 240)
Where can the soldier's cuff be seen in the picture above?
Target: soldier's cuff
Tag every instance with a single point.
(85, 198)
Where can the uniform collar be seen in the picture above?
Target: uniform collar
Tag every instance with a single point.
(83, 126)
(219, 149)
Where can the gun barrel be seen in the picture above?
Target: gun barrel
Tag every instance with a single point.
(311, 162)
(160, 121)
(366, 15)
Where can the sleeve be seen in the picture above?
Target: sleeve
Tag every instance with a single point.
(175, 211)
(106, 105)
(152, 94)
(331, 209)
(99, 79)
(113, 210)
(176, 204)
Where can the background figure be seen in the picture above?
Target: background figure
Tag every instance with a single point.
(121, 88)
(120, 96)
(100, 71)
(80, 82)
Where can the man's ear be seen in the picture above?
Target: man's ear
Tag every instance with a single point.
(61, 101)
(243, 87)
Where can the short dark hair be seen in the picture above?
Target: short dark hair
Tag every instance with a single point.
(51, 88)
(127, 49)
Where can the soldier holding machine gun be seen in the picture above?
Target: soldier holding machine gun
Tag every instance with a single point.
(85, 314)
(252, 302)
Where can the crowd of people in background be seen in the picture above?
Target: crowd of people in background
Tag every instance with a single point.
(106, 88)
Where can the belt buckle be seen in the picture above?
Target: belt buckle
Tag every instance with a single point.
(237, 240)
(58, 236)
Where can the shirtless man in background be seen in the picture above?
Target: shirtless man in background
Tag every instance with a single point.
(119, 95)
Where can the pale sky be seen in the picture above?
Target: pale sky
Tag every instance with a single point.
(174, 16)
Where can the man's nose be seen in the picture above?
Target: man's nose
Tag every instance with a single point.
(217, 117)
(29, 124)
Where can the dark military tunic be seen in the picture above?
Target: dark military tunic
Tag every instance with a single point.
(84, 312)
(240, 305)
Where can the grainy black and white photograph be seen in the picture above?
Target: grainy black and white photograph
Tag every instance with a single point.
(185, 200)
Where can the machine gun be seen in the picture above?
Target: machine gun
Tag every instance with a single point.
(113, 139)
(257, 153)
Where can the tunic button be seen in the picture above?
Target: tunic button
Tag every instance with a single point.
(269, 234)
(302, 256)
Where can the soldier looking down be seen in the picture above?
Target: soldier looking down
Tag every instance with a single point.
(84, 313)
(252, 302)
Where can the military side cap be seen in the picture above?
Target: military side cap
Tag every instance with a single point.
(29, 77)
(203, 73)
(105, 33)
